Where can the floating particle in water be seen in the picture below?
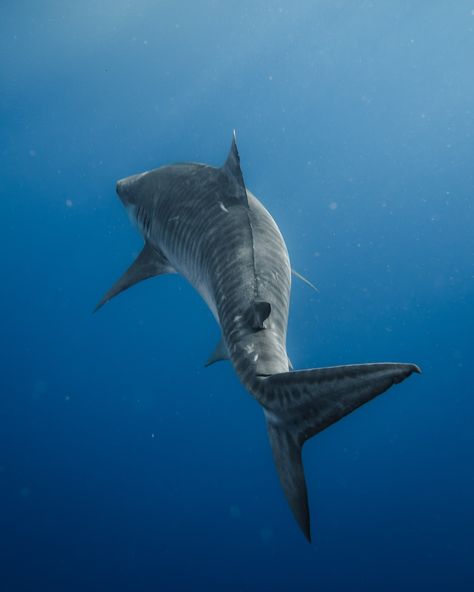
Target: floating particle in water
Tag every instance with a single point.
(40, 388)
(266, 535)
(69, 203)
(235, 512)
(333, 205)
(25, 492)
(32, 152)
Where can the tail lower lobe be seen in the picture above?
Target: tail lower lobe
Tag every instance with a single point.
(299, 405)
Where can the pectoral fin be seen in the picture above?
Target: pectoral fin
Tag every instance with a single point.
(305, 280)
(149, 263)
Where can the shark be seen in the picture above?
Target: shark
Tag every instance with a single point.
(202, 222)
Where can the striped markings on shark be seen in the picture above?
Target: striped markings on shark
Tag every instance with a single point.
(202, 222)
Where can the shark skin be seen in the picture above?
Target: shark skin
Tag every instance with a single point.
(202, 222)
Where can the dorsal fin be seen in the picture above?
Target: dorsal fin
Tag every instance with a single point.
(149, 263)
(234, 174)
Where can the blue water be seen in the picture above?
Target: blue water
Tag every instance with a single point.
(124, 464)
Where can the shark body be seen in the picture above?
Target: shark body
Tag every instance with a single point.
(202, 222)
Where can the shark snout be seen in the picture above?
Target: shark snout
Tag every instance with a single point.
(126, 189)
(120, 188)
(123, 189)
(129, 188)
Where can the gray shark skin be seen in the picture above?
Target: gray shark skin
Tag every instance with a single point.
(202, 222)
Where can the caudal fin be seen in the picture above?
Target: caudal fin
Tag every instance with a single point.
(299, 405)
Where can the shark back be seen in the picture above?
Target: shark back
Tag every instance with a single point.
(202, 222)
(227, 245)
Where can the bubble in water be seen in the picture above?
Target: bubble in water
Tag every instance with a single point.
(235, 512)
(266, 535)
(40, 388)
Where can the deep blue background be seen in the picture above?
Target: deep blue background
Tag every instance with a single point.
(124, 464)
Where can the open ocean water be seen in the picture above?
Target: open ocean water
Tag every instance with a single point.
(126, 465)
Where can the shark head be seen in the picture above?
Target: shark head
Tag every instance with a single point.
(133, 194)
(130, 189)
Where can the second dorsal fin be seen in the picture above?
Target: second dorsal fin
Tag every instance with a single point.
(257, 314)
(234, 175)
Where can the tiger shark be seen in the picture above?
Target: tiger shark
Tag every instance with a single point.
(202, 222)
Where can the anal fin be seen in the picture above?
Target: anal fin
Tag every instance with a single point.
(149, 263)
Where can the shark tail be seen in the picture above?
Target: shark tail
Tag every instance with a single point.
(299, 405)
